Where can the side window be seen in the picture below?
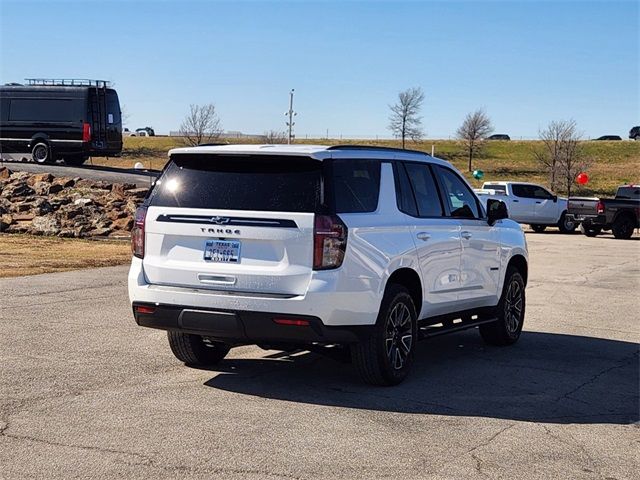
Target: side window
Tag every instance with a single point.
(521, 191)
(356, 185)
(539, 192)
(424, 189)
(461, 200)
(404, 193)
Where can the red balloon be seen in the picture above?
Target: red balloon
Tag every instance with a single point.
(582, 178)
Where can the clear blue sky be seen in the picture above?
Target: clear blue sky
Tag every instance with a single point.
(526, 63)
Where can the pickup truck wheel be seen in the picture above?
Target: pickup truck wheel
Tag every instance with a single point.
(385, 356)
(590, 231)
(565, 225)
(538, 228)
(41, 153)
(195, 349)
(623, 227)
(510, 312)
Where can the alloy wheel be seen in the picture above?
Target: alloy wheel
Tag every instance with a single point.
(513, 307)
(399, 336)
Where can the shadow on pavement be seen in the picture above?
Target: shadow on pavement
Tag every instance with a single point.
(545, 377)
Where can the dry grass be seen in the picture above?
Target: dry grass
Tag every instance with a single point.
(614, 163)
(31, 255)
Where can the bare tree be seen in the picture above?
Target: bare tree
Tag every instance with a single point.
(404, 120)
(274, 136)
(560, 149)
(473, 132)
(201, 125)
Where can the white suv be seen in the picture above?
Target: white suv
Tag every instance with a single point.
(360, 250)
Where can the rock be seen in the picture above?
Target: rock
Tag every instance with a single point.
(101, 184)
(137, 192)
(65, 182)
(19, 189)
(17, 176)
(125, 223)
(83, 201)
(22, 207)
(46, 225)
(100, 232)
(41, 188)
(115, 214)
(84, 183)
(5, 222)
(40, 177)
(55, 188)
(5, 172)
(23, 218)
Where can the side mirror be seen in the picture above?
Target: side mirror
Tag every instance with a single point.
(496, 210)
(555, 199)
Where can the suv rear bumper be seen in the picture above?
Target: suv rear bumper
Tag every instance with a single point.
(588, 220)
(330, 299)
(238, 327)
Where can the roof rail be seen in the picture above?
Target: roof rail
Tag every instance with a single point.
(374, 147)
(68, 82)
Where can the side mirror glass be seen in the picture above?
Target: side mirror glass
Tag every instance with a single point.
(496, 210)
(555, 199)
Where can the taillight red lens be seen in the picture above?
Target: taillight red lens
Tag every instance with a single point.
(600, 207)
(329, 242)
(137, 233)
(294, 322)
(144, 309)
(86, 132)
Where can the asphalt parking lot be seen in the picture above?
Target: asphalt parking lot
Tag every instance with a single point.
(85, 393)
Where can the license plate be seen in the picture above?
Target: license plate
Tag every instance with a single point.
(222, 251)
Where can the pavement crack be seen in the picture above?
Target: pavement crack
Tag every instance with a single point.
(489, 440)
(621, 364)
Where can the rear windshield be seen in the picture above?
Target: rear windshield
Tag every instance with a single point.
(277, 184)
(628, 193)
(497, 188)
(273, 183)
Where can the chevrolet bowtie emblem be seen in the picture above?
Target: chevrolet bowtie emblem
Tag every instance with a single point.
(220, 220)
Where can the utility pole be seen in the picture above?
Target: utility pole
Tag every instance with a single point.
(290, 114)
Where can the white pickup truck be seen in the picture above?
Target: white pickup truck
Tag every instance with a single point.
(530, 204)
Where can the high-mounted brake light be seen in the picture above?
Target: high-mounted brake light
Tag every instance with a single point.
(137, 233)
(329, 242)
(600, 207)
(86, 132)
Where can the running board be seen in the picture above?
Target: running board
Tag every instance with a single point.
(449, 327)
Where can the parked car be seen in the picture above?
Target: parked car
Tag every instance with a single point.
(634, 133)
(620, 214)
(531, 204)
(609, 137)
(54, 119)
(350, 249)
(146, 132)
(499, 136)
(128, 133)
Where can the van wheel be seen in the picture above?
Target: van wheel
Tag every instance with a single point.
(196, 350)
(623, 227)
(385, 356)
(565, 225)
(590, 231)
(510, 312)
(538, 228)
(41, 153)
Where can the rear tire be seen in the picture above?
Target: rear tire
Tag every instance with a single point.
(41, 153)
(385, 356)
(590, 231)
(565, 225)
(195, 350)
(510, 312)
(538, 228)
(623, 227)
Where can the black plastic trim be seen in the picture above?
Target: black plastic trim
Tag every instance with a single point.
(232, 221)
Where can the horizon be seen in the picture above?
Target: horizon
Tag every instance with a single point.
(525, 63)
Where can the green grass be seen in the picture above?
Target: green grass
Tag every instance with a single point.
(614, 163)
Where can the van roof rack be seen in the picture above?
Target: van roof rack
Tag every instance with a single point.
(374, 147)
(68, 82)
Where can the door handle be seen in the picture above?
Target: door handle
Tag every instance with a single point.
(538, 202)
(466, 235)
(424, 236)
(516, 201)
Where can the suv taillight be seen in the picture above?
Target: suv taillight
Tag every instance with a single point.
(86, 132)
(137, 233)
(600, 207)
(329, 242)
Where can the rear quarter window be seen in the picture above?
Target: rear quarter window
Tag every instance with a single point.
(355, 184)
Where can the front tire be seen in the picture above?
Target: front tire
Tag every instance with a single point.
(507, 328)
(538, 228)
(623, 227)
(385, 356)
(196, 350)
(590, 231)
(565, 225)
(41, 153)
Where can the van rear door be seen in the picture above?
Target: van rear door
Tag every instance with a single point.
(238, 223)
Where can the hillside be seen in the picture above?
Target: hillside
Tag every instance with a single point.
(614, 163)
